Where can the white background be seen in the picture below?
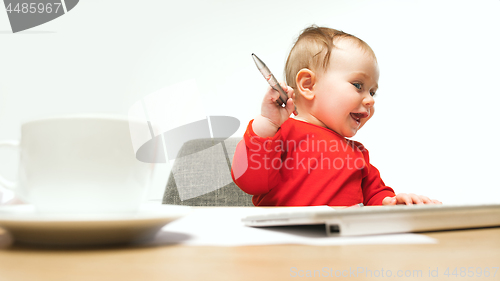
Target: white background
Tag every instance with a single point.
(435, 130)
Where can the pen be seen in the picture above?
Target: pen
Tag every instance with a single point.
(283, 97)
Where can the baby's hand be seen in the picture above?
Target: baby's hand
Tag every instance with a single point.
(273, 115)
(409, 199)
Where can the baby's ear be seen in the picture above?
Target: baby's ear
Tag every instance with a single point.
(305, 81)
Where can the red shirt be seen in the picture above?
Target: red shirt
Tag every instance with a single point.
(306, 165)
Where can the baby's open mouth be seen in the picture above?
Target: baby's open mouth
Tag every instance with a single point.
(357, 116)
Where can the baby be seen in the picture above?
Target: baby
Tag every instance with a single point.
(308, 160)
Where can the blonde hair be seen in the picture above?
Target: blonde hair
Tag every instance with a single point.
(313, 49)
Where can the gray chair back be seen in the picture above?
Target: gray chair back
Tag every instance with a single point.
(205, 162)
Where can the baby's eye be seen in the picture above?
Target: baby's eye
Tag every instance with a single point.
(357, 85)
(372, 94)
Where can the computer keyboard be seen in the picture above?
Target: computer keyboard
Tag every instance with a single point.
(382, 219)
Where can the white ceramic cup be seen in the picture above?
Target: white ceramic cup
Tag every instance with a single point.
(79, 164)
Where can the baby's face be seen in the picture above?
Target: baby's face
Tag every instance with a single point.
(344, 93)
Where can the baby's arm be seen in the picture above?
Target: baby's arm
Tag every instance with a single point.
(374, 189)
(272, 116)
(252, 168)
(409, 199)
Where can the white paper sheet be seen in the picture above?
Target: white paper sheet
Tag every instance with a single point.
(223, 227)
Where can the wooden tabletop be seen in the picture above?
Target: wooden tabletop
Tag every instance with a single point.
(459, 255)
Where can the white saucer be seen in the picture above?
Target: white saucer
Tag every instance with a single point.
(29, 227)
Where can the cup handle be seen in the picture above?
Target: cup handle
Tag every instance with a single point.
(3, 181)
